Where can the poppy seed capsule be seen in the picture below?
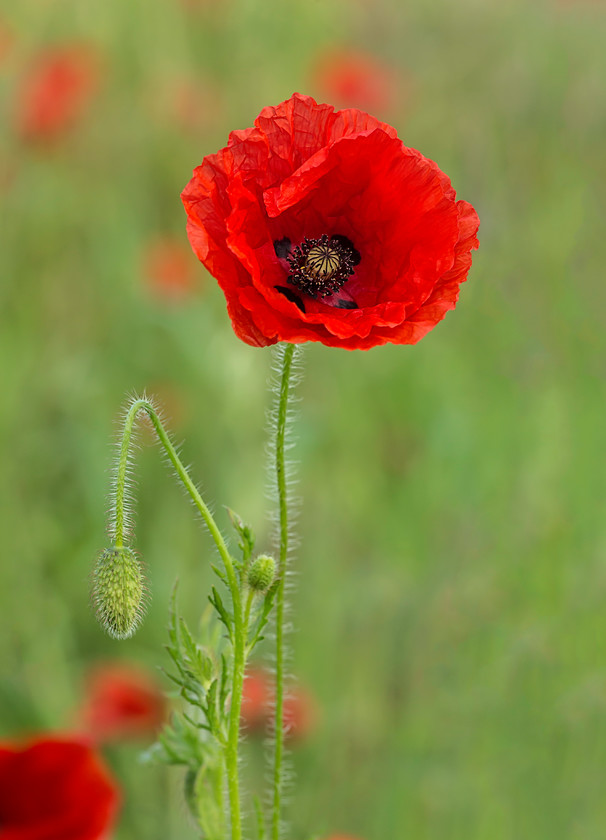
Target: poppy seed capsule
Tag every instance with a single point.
(118, 588)
(261, 573)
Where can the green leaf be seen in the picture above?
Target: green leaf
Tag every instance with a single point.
(172, 617)
(226, 618)
(224, 688)
(221, 574)
(211, 710)
(197, 724)
(263, 618)
(247, 538)
(194, 656)
(208, 795)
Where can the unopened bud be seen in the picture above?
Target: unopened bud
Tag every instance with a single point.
(118, 591)
(261, 573)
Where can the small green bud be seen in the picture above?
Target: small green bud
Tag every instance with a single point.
(261, 573)
(118, 591)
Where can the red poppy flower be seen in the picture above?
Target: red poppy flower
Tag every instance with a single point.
(321, 225)
(55, 91)
(353, 79)
(257, 706)
(167, 269)
(122, 702)
(54, 789)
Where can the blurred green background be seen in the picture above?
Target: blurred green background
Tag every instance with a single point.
(449, 613)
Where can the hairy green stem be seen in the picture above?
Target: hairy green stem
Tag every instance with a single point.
(240, 623)
(283, 556)
(142, 405)
(233, 737)
(249, 603)
(120, 488)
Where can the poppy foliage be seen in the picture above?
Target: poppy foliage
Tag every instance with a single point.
(54, 789)
(321, 225)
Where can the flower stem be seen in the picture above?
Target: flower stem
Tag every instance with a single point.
(283, 556)
(233, 737)
(143, 405)
(240, 621)
(119, 523)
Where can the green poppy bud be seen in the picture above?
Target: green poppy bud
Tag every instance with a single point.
(261, 573)
(118, 591)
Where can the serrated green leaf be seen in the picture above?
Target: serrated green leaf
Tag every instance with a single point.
(225, 617)
(197, 724)
(177, 680)
(224, 688)
(262, 619)
(211, 707)
(173, 755)
(221, 574)
(208, 792)
(172, 617)
(193, 653)
(247, 537)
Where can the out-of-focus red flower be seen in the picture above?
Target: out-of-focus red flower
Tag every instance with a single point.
(257, 706)
(353, 79)
(256, 700)
(121, 702)
(323, 226)
(168, 269)
(55, 91)
(55, 789)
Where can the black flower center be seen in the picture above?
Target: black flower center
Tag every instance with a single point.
(320, 267)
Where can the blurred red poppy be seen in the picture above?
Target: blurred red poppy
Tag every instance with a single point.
(322, 226)
(55, 789)
(122, 702)
(353, 79)
(55, 91)
(168, 268)
(257, 706)
(256, 700)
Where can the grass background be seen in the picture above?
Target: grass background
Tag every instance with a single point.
(450, 606)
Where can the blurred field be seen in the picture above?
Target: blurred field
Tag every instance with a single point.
(450, 609)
